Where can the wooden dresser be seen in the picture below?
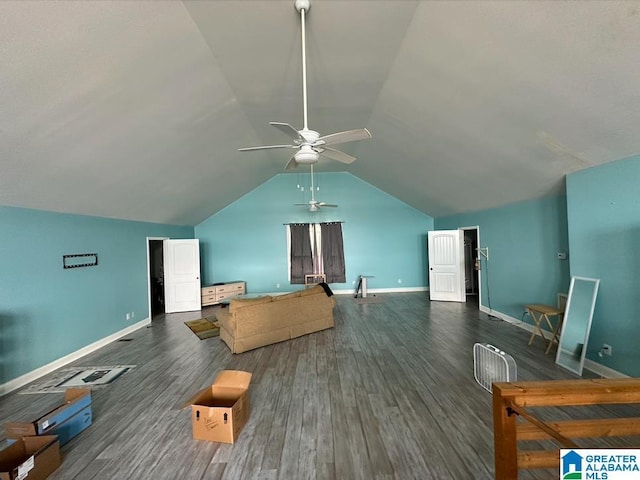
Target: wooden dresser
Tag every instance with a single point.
(213, 294)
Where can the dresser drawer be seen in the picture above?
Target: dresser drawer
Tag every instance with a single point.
(208, 291)
(231, 288)
(208, 299)
(213, 294)
(222, 296)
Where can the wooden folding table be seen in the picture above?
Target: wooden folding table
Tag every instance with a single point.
(543, 312)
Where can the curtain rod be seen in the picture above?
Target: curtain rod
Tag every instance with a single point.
(309, 223)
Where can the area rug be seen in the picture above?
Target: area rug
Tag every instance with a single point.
(94, 377)
(204, 328)
(365, 300)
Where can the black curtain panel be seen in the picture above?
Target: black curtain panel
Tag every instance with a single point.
(301, 260)
(333, 252)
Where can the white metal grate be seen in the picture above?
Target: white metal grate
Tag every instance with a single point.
(490, 364)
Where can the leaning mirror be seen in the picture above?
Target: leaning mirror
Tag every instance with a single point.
(576, 323)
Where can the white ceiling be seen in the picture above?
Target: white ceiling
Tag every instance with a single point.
(135, 109)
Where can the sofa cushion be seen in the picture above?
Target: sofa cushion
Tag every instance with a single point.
(315, 290)
(286, 296)
(237, 303)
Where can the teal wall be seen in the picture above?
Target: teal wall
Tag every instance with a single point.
(47, 312)
(382, 236)
(523, 239)
(604, 236)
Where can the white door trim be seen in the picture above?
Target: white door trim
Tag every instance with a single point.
(478, 272)
(149, 270)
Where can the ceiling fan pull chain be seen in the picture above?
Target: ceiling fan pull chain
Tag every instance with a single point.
(312, 189)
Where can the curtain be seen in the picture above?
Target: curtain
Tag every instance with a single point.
(333, 252)
(301, 259)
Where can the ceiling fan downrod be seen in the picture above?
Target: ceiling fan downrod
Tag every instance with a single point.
(303, 6)
(308, 143)
(306, 154)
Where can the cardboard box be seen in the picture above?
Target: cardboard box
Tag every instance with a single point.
(30, 458)
(219, 412)
(65, 421)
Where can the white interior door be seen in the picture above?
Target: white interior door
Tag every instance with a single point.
(181, 275)
(446, 265)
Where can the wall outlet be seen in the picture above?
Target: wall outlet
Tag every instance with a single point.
(277, 285)
(399, 280)
(606, 349)
(127, 316)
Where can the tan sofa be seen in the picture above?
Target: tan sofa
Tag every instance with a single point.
(250, 323)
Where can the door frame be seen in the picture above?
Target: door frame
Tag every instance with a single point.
(478, 272)
(149, 273)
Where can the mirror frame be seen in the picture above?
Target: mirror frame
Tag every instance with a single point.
(567, 316)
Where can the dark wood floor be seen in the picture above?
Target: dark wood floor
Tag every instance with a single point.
(388, 393)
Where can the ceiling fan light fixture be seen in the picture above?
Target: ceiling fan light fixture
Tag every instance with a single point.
(306, 155)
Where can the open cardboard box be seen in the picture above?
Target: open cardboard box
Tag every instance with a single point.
(219, 412)
(66, 421)
(30, 458)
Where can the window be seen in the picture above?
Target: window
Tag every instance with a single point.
(315, 249)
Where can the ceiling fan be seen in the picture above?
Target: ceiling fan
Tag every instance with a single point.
(308, 143)
(313, 204)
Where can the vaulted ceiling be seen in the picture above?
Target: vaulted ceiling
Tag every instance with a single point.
(136, 109)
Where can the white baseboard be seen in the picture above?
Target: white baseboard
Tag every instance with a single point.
(516, 321)
(23, 380)
(595, 367)
(604, 372)
(351, 291)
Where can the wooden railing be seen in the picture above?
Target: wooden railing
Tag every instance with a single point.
(510, 403)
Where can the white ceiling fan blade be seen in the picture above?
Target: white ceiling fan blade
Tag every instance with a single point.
(291, 164)
(287, 130)
(344, 137)
(334, 154)
(266, 147)
(322, 204)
